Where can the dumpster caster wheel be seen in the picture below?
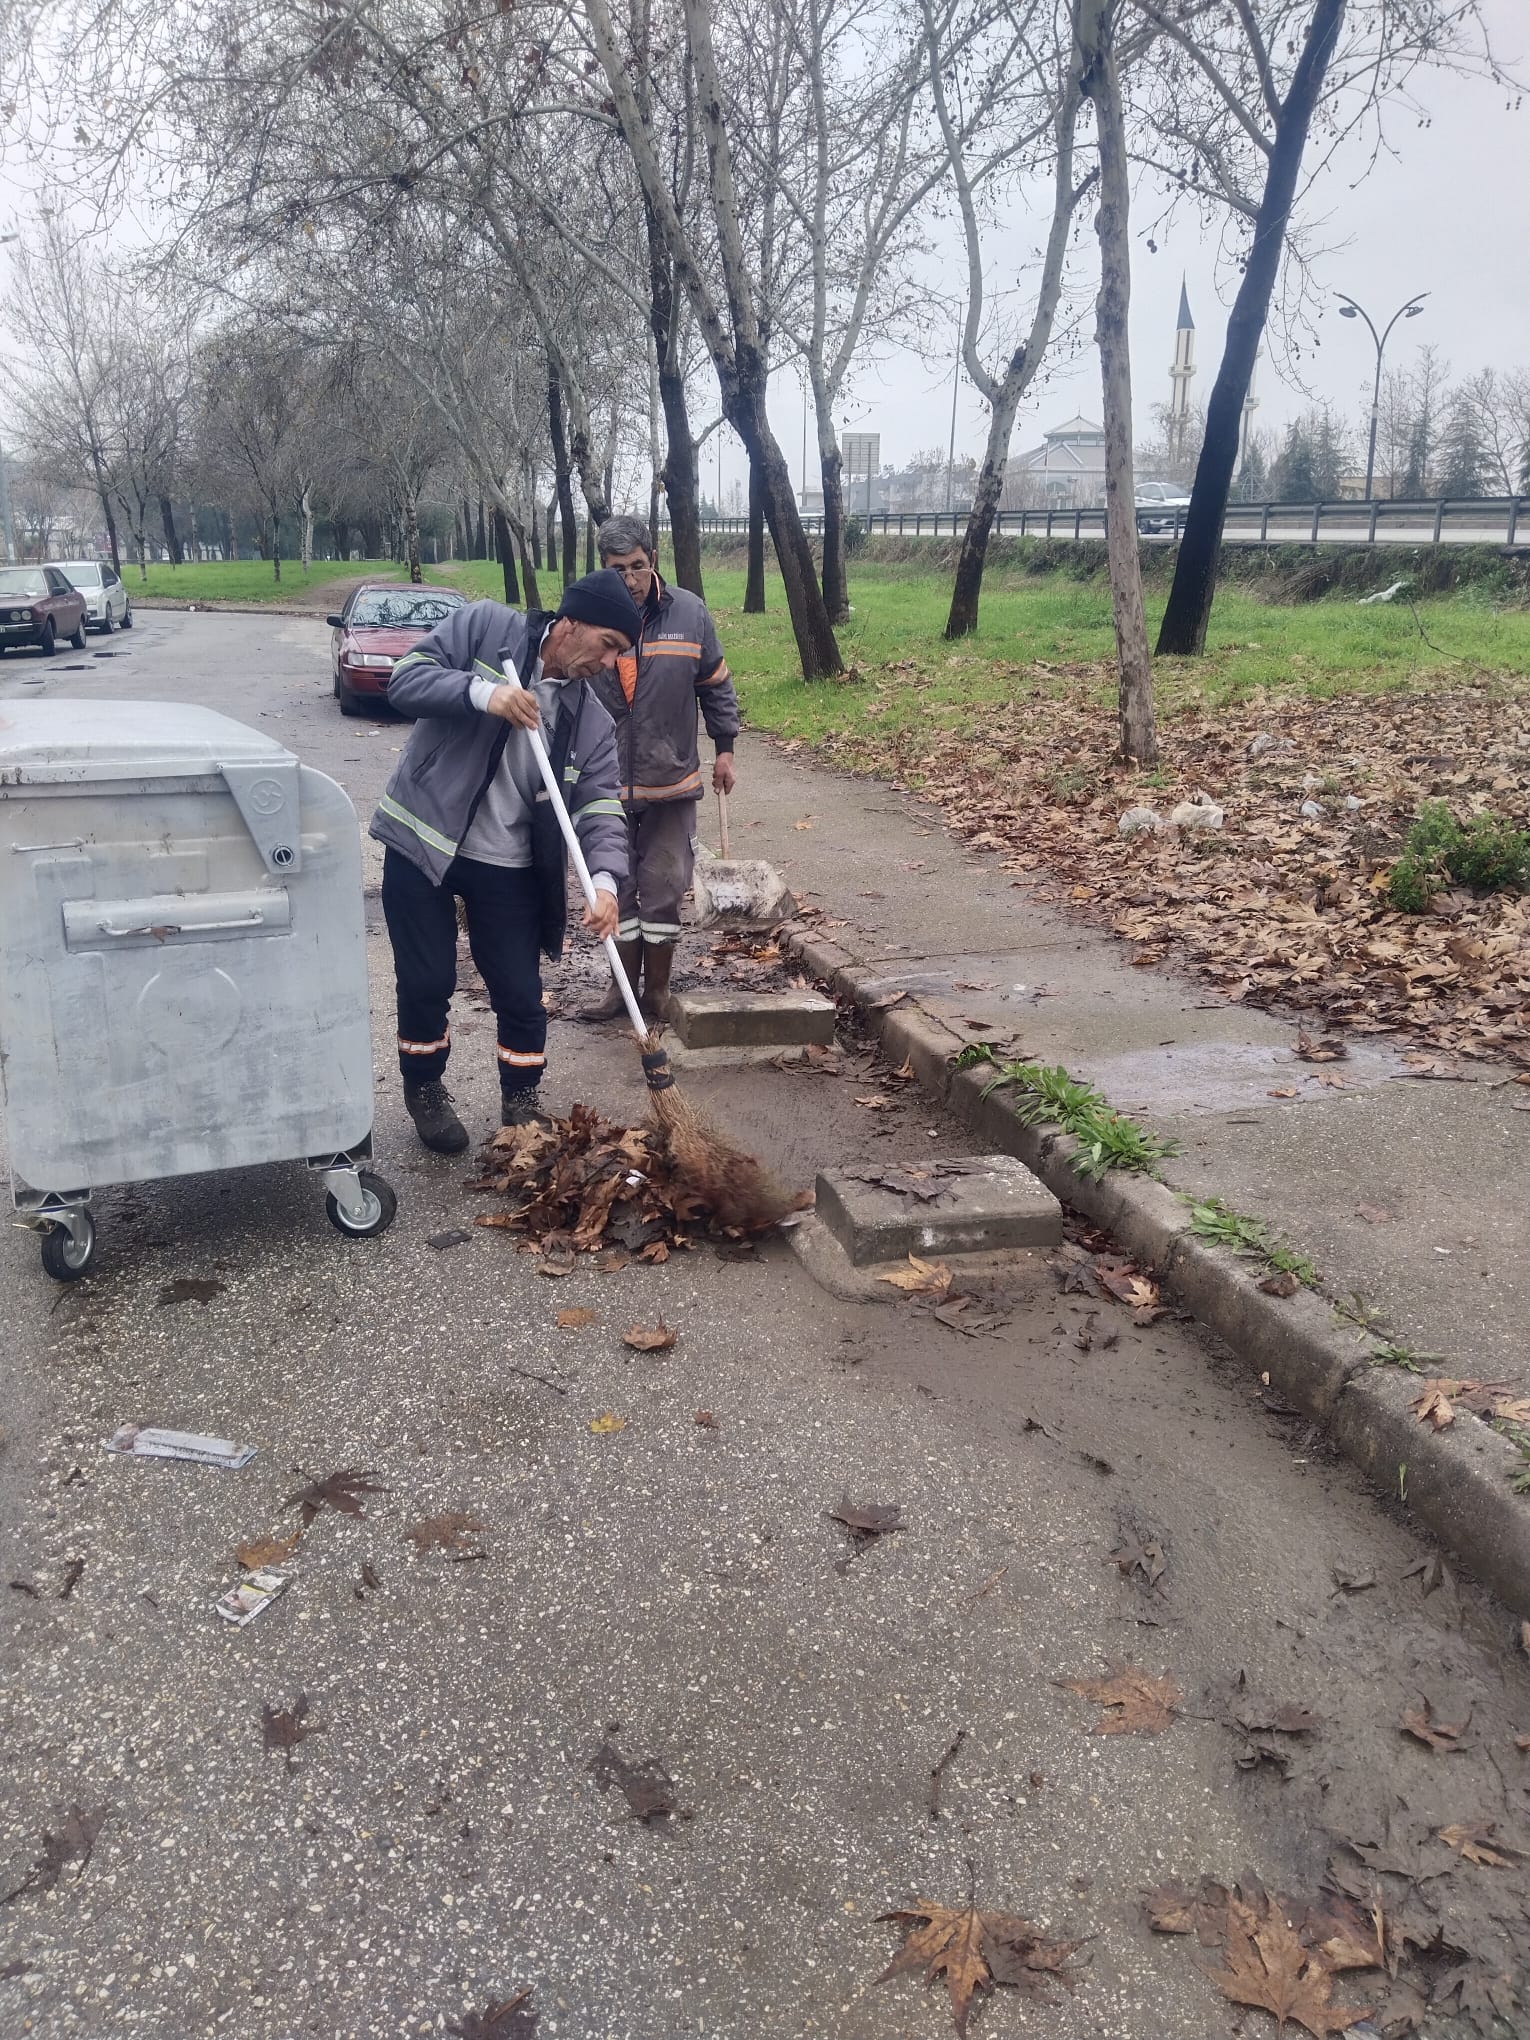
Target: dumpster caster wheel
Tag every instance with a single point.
(381, 1208)
(65, 1256)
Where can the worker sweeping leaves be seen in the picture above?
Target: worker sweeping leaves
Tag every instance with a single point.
(465, 816)
(653, 695)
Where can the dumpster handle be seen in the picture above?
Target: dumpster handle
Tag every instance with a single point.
(26, 849)
(163, 928)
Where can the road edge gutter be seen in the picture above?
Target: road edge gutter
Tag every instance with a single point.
(1456, 1481)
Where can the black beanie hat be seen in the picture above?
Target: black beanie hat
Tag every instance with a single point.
(602, 599)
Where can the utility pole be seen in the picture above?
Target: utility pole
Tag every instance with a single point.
(1348, 309)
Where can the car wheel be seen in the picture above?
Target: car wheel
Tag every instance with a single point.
(49, 639)
(350, 703)
(111, 620)
(78, 638)
(127, 617)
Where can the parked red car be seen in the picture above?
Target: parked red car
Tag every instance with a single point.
(379, 623)
(38, 607)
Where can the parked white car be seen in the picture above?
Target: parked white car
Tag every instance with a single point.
(108, 606)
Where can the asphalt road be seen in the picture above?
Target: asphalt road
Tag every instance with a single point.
(674, 1588)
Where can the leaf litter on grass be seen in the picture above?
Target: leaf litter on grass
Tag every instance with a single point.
(1276, 907)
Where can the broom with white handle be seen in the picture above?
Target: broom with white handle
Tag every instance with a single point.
(731, 1185)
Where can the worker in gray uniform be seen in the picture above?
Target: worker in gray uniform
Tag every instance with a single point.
(653, 694)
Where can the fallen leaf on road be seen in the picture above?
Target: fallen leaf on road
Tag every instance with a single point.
(1432, 1406)
(606, 1423)
(1282, 1720)
(975, 1950)
(368, 1583)
(875, 1101)
(575, 1320)
(1268, 1967)
(805, 823)
(920, 1278)
(1372, 1214)
(1480, 1845)
(647, 1787)
(1419, 1722)
(73, 1843)
(1522, 1742)
(1280, 1282)
(650, 1338)
(1142, 1556)
(885, 1002)
(1122, 1281)
(1524, 1638)
(865, 1520)
(1351, 1583)
(612, 1259)
(344, 1492)
(451, 1532)
(1136, 1702)
(285, 1727)
(706, 1420)
(1321, 1049)
(1428, 1571)
(1285, 1091)
(501, 2019)
(267, 1550)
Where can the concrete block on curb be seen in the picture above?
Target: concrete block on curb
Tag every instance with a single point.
(987, 1203)
(732, 1019)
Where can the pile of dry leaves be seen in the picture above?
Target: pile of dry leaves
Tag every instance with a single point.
(1277, 905)
(583, 1185)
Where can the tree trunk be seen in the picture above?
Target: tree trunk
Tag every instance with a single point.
(562, 480)
(305, 507)
(534, 524)
(589, 545)
(232, 551)
(744, 407)
(1183, 630)
(172, 536)
(550, 536)
(973, 557)
(506, 546)
(754, 578)
(1139, 745)
(467, 529)
(836, 582)
(679, 471)
(482, 535)
(412, 537)
(276, 545)
(655, 506)
(106, 512)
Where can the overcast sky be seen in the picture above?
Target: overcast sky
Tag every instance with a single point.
(1448, 213)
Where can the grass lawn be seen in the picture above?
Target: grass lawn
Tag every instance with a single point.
(251, 580)
(1050, 635)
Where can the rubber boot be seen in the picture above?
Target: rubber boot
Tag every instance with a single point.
(658, 961)
(613, 1006)
(523, 1108)
(429, 1105)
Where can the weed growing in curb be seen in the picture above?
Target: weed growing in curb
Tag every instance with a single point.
(1519, 1438)
(1391, 1354)
(1220, 1226)
(1106, 1139)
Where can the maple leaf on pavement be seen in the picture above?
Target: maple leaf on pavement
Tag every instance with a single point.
(1480, 1845)
(1419, 1721)
(866, 1520)
(1122, 1281)
(1135, 1702)
(261, 1551)
(73, 1843)
(1269, 1968)
(650, 1338)
(647, 1787)
(501, 2019)
(344, 1491)
(974, 1950)
(920, 1278)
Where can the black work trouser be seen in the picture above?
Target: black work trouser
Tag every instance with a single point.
(503, 924)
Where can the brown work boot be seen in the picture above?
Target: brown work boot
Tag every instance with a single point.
(658, 961)
(613, 1006)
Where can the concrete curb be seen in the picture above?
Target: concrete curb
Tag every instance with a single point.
(1456, 1481)
(179, 603)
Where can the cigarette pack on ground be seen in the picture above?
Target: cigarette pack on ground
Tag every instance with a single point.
(139, 1441)
(255, 1591)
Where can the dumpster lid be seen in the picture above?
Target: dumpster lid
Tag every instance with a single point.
(44, 742)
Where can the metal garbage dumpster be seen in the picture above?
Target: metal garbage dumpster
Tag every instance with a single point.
(183, 980)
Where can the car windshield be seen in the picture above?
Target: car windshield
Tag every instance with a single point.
(400, 608)
(80, 573)
(22, 581)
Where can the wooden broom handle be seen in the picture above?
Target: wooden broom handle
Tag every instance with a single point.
(722, 819)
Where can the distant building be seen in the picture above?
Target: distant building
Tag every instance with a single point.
(1181, 375)
(1066, 472)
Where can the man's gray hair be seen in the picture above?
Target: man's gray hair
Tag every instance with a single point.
(623, 535)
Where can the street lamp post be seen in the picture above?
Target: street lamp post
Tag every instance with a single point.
(1348, 309)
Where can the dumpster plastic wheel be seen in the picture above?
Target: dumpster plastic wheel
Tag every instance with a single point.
(381, 1202)
(65, 1258)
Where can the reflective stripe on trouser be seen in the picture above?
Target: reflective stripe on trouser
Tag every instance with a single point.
(503, 922)
(661, 843)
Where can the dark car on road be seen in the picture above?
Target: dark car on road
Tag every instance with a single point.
(379, 623)
(38, 607)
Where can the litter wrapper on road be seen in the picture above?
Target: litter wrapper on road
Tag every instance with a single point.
(257, 1590)
(138, 1441)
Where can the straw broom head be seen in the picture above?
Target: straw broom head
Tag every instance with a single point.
(734, 1187)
